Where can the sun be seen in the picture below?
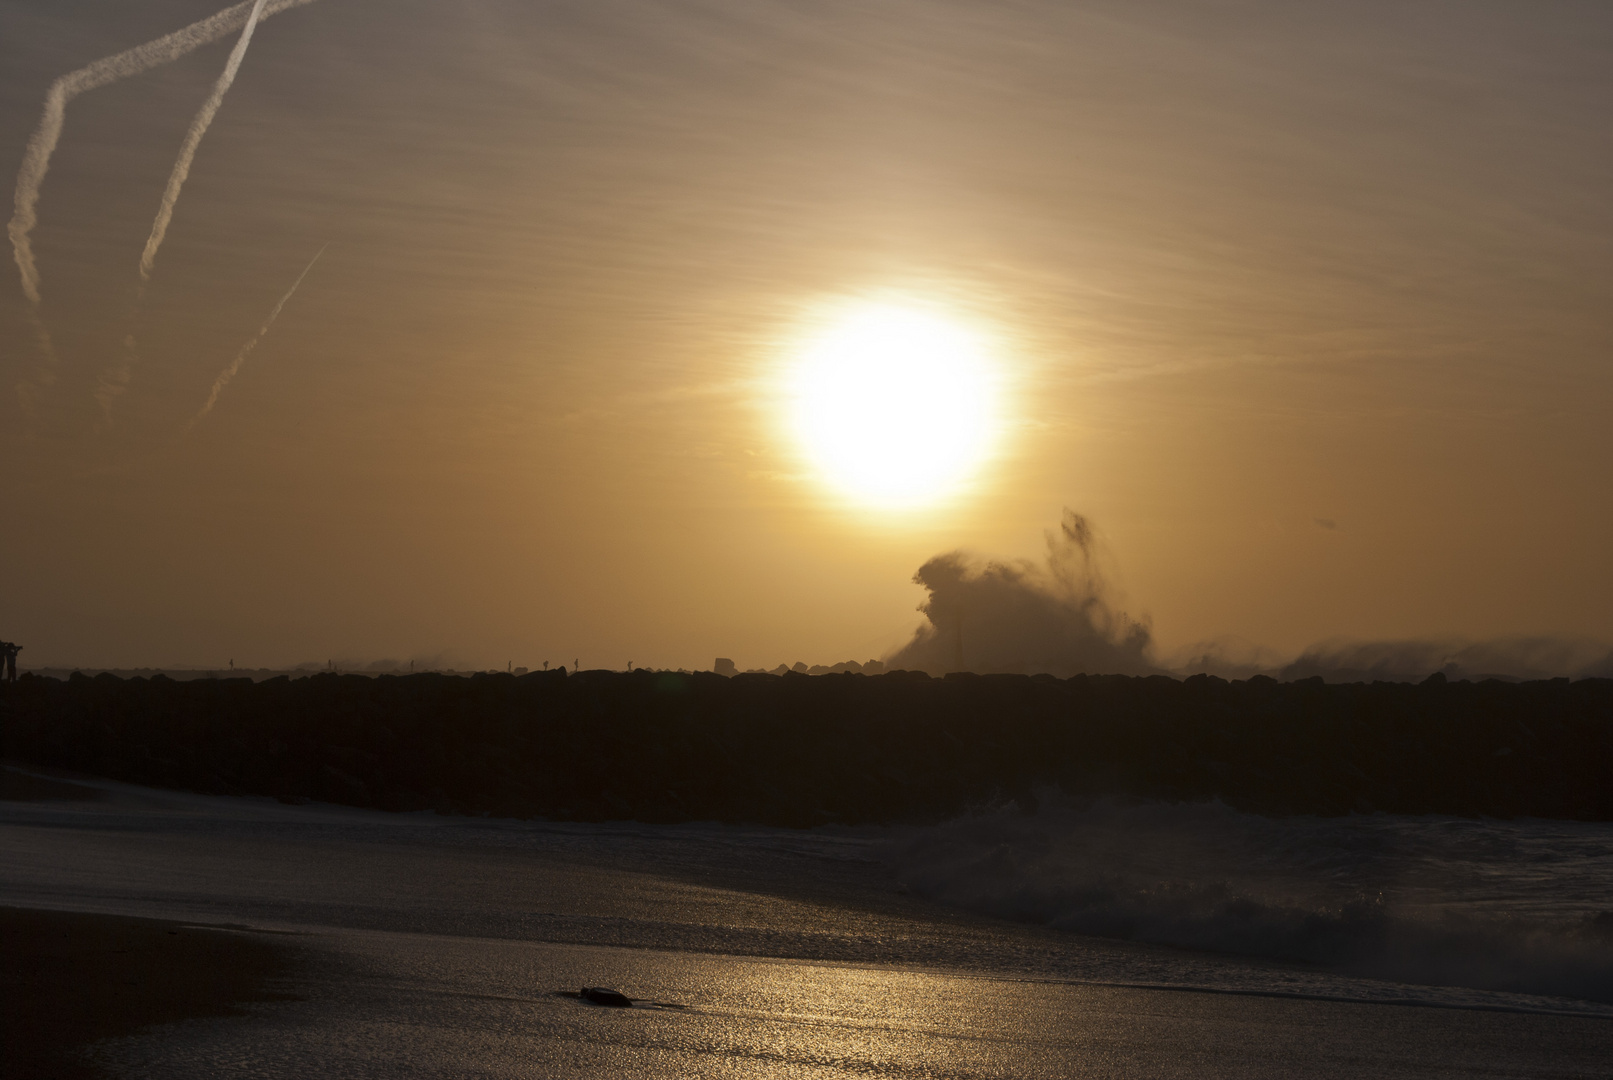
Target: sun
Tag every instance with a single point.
(895, 405)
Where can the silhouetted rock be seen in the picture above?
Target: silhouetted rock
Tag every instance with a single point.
(601, 996)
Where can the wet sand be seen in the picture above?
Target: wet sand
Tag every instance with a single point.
(433, 947)
(400, 1006)
(69, 979)
(17, 785)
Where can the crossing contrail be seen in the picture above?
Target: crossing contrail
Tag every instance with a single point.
(163, 50)
(228, 373)
(193, 139)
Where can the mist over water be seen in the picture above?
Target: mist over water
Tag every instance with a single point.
(1392, 661)
(1343, 661)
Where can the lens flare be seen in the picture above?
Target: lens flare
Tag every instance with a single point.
(894, 405)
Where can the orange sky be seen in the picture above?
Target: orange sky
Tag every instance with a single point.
(1249, 268)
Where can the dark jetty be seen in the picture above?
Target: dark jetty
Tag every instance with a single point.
(801, 750)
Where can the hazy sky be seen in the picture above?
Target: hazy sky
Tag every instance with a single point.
(1304, 306)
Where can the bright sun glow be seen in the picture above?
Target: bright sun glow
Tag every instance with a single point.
(895, 405)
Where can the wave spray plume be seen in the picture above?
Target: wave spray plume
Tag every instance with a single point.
(193, 139)
(1020, 617)
(141, 58)
(228, 373)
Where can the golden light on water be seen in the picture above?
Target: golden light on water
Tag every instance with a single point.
(895, 405)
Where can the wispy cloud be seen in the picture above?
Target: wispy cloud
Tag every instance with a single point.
(193, 139)
(142, 58)
(229, 372)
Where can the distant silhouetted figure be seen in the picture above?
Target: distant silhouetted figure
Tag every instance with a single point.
(8, 652)
(576, 665)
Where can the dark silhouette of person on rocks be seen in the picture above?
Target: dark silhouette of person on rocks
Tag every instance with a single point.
(8, 655)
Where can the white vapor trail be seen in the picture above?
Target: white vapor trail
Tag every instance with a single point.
(228, 373)
(163, 50)
(193, 139)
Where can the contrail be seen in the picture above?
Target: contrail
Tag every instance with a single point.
(193, 139)
(163, 50)
(228, 373)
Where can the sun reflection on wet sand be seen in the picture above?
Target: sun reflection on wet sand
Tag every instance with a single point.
(408, 1005)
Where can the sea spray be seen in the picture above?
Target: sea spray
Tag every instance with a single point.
(1517, 906)
(1018, 616)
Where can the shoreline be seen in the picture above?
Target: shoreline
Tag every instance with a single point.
(433, 946)
(70, 980)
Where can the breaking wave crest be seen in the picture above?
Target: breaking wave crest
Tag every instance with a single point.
(1513, 906)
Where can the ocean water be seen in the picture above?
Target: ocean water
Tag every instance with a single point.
(1100, 940)
(1522, 906)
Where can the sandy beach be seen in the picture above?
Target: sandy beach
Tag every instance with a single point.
(71, 980)
(432, 946)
